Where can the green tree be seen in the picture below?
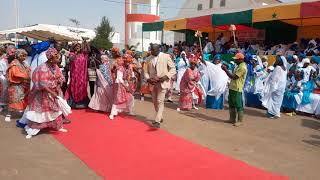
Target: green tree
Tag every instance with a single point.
(103, 34)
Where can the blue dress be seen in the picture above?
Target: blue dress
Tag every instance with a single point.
(213, 103)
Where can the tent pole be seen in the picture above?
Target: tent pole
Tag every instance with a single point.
(162, 36)
(142, 42)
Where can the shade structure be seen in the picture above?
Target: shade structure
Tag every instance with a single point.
(242, 17)
(173, 25)
(202, 23)
(283, 12)
(59, 33)
(278, 31)
(309, 15)
(154, 26)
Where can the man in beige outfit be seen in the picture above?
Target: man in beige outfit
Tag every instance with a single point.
(158, 71)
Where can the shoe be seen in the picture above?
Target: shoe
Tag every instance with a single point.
(231, 122)
(66, 121)
(7, 118)
(111, 117)
(63, 130)
(178, 109)
(156, 124)
(132, 114)
(161, 121)
(169, 101)
(194, 107)
(28, 136)
(289, 114)
(237, 124)
(142, 98)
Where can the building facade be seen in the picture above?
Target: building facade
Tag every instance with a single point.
(136, 13)
(192, 8)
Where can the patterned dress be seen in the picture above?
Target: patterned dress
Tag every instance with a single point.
(188, 88)
(122, 100)
(78, 79)
(19, 85)
(43, 108)
(3, 82)
(102, 97)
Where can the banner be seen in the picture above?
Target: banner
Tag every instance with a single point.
(254, 34)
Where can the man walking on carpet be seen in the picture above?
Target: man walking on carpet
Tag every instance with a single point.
(158, 72)
(235, 89)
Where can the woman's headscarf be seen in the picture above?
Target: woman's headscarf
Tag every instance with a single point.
(216, 57)
(116, 51)
(51, 52)
(10, 49)
(183, 52)
(316, 59)
(194, 60)
(19, 52)
(128, 58)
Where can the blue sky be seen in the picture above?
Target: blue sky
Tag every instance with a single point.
(88, 12)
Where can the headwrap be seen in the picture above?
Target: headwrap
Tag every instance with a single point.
(116, 51)
(50, 52)
(20, 51)
(271, 68)
(264, 58)
(295, 57)
(316, 59)
(128, 58)
(10, 49)
(216, 57)
(129, 52)
(104, 58)
(183, 52)
(290, 58)
(306, 60)
(194, 60)
(75, 44)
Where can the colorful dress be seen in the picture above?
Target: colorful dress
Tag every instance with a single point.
(102, 97)
(77, 90)
(44, 111)
(3, 82)
(122, 100)
(182, 66)
(19, 85)
(188, 89)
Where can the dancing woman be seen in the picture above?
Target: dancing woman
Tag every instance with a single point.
(44, 111)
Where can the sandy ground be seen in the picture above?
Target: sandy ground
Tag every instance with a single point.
(288, 146)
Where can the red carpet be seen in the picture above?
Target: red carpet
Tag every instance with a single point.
(126, 149)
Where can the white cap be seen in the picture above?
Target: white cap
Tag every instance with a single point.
(306, 60)
(295, 57)
(271, 68)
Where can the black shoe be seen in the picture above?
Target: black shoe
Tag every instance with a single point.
(161, 121)
(66, 121)
(156, 125)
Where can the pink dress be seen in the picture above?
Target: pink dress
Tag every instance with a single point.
(102, 98)
(187, 88)
(122, 100)
(43, 109)
(78, 78)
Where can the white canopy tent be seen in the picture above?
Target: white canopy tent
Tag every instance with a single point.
(59, 33)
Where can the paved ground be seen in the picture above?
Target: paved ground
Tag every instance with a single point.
(288, 146)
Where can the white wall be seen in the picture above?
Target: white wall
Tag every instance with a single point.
(206, 10)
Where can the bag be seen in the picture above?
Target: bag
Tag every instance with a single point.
(64, 107)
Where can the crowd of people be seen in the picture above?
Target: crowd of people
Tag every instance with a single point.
(41, 82)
